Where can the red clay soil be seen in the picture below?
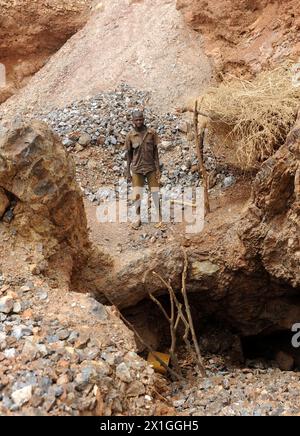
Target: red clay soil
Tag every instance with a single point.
(245, 36)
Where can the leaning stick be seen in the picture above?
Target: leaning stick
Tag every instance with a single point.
(184, 203)
(189, 315)
(150, 349)
(173, 328)
(199, 138)
(181, 315)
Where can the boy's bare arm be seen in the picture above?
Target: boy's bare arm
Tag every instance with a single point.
(129, 158)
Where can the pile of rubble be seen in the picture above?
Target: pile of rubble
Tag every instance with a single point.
(261, 389)
(106, 119)
(78, 360)
(94, 131)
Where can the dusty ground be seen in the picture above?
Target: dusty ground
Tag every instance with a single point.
(116, 238)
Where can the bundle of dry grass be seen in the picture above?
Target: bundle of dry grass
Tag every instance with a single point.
(255, 117)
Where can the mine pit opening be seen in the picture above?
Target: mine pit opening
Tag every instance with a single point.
(216, 337)
(278, 349)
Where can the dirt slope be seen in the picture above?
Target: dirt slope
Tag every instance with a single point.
(31, 31)
(244, 36)
(146, 44)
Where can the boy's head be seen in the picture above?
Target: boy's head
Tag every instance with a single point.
(138, 118)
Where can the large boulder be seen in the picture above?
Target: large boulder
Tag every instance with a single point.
(37, 173)
(271, 228)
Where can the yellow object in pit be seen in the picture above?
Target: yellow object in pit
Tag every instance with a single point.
(156, 364)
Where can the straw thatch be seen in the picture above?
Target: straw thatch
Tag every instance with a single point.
(254, 117)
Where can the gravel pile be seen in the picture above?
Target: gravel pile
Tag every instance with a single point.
(94, 132)
(261, 389)
(55, 367)
(79, 359)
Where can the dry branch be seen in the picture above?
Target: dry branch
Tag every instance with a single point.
(190, 318)
(187, 320)
(149, 348)
(173, 329)
(199, 138)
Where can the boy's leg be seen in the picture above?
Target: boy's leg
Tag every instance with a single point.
(138, 182)
(154, 188)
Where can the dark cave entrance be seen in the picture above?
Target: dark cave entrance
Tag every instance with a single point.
(216, 338)
(279, 349)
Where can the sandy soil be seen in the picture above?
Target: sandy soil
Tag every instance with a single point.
(146, 44)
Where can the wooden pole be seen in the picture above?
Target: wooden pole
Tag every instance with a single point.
(189, 315)
(199, 140)
(169, 370)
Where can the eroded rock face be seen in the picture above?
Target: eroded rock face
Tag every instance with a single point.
(244, 36)
(256, 285)
(36, 171)
(271, 228)
(255, 288)
(31, 31)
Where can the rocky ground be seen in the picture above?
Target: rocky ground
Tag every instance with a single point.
(94, 131)
(258, 389)
(79, 360)
(75, 361)
(63, 353)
